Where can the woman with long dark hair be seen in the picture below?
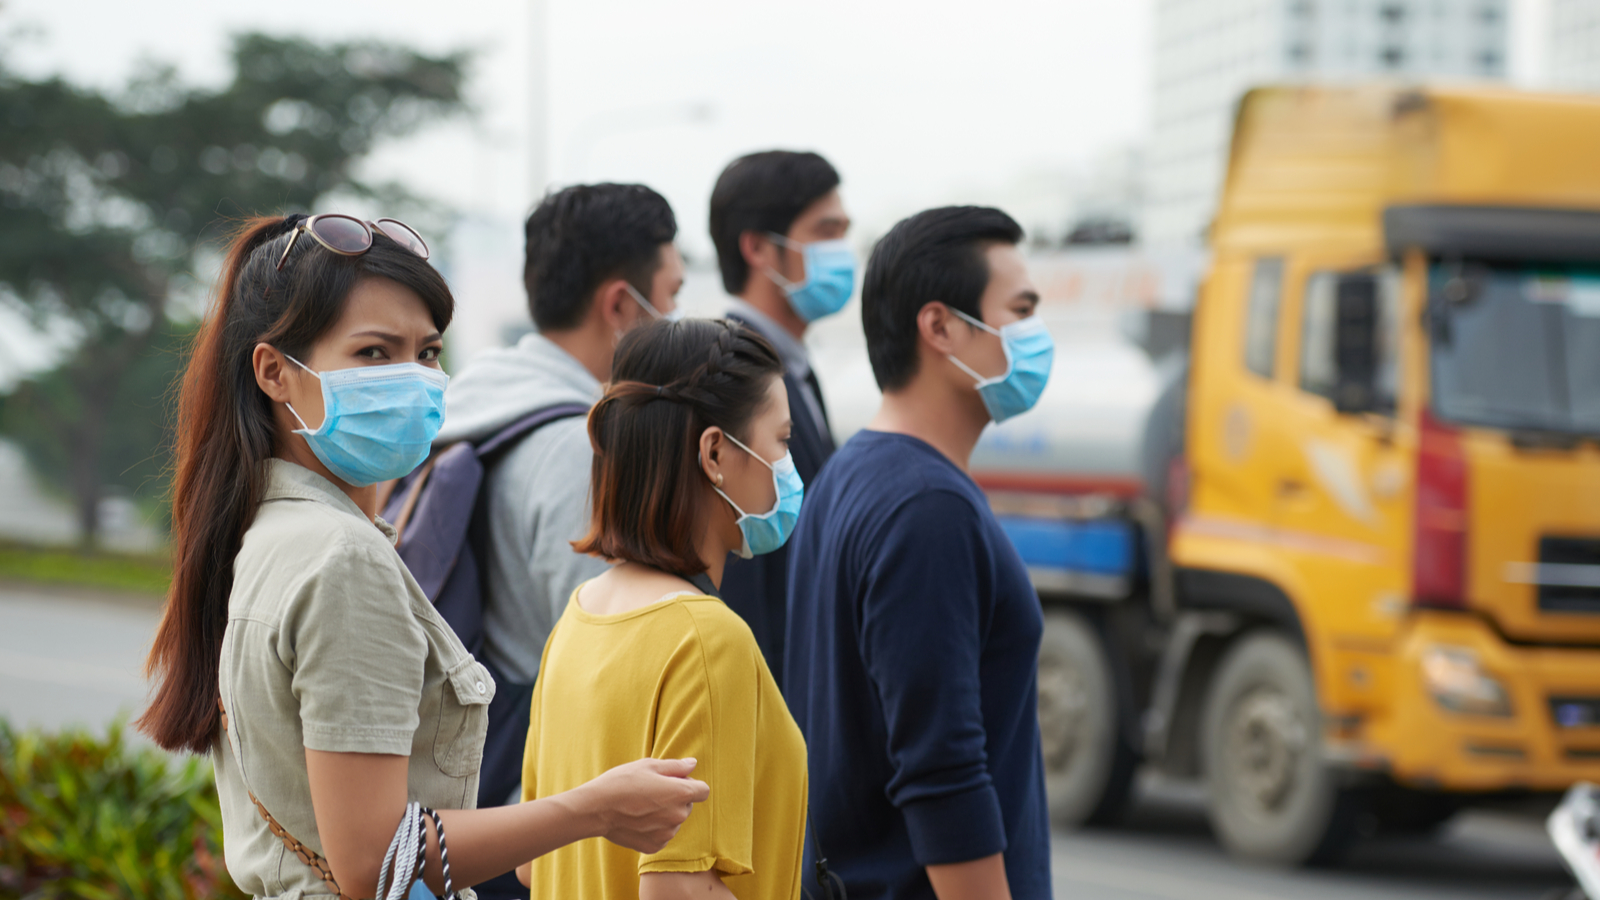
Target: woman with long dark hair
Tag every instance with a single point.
(691, 463)
(344, 717)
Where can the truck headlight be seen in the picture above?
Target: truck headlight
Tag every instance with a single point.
(1459, 683)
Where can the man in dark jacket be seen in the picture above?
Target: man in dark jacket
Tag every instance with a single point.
(779, 228)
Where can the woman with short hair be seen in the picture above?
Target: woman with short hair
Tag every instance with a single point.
(691, 463)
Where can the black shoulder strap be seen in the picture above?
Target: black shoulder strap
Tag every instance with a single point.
(521, 428)
(703, 582)
(828, 881)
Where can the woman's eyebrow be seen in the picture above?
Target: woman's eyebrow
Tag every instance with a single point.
(395, 338)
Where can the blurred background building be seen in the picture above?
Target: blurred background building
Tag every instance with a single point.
(1574, 54)
(1207, 52)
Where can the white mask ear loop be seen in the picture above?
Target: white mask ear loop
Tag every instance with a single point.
(757, 458)
(968, 369)
(777, 278)
(781, 281)
(752, 453)
(649, 307)
(296, 415)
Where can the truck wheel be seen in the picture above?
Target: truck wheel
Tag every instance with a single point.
(1273, 798)
(1088, 766)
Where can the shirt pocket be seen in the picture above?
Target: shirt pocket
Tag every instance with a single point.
(463, 719)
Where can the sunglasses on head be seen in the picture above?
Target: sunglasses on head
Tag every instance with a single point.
(350, 236)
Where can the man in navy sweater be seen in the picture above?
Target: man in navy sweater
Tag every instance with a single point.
(913, 632)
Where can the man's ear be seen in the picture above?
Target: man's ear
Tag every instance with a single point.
(271, 369)
(757, 249)
(935, 323)
(612, 303)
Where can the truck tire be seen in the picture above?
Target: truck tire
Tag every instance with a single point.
(1088, 765)
(1273, 797)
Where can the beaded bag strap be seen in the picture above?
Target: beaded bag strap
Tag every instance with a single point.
(305, 854)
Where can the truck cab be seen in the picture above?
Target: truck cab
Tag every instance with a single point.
(1370, 588)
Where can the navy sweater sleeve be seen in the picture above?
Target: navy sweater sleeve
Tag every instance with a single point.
(923, 618)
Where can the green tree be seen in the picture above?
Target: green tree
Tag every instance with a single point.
(108, 203)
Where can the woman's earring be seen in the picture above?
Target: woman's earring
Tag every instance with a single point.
(719, 479)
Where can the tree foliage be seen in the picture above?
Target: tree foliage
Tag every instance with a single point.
(109, 202)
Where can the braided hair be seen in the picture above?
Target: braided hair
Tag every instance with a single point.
(671, 381)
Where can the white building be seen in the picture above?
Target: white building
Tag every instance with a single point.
(1207, 52)
(1574, 57)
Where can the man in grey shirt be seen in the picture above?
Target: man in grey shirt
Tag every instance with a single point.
(600, 261)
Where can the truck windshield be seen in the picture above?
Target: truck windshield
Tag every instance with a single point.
(1516, 347)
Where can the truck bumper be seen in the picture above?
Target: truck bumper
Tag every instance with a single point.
(1549, 740)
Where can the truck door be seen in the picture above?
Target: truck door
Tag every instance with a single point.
(1342, 481)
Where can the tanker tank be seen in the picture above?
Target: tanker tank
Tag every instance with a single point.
(1110, 310)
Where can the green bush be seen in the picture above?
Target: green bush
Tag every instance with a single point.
(91, 818)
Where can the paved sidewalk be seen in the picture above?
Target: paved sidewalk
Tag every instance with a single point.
(72, 657)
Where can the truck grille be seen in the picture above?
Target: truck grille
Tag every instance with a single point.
(1569, 575)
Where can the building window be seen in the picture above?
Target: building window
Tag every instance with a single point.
(1393, 57)
(1489, 14)
(1489, 60)
(1261, 317)
(1299, 54)
(1392, 13)
(1305, 9)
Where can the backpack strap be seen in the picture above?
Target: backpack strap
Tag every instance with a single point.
(516, 431)
(412, 495)
(493, 445)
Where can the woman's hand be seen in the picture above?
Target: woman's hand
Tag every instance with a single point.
(640, 805)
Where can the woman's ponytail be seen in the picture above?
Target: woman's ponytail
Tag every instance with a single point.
(215, 489)
(226, 431)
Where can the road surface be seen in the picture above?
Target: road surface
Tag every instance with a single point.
(67, 658)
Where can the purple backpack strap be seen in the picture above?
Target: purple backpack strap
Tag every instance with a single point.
(533, 421)
(438, 528)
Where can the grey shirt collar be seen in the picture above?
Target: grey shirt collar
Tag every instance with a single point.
(793, 353)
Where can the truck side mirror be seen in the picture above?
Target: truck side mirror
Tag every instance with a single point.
(1355, 348)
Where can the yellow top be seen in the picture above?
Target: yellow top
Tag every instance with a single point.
(681, 677)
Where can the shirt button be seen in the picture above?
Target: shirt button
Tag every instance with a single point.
(483, 688)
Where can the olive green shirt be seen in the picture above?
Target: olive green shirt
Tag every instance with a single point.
(331, 645)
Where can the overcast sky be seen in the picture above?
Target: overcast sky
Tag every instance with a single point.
(917, 103)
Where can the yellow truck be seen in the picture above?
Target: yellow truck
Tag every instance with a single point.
(1368, 589)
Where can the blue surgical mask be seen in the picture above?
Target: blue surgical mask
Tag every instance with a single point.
(378, 422)
(767, 532)
(658, 315)
(830, 277)
(1029, 353)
